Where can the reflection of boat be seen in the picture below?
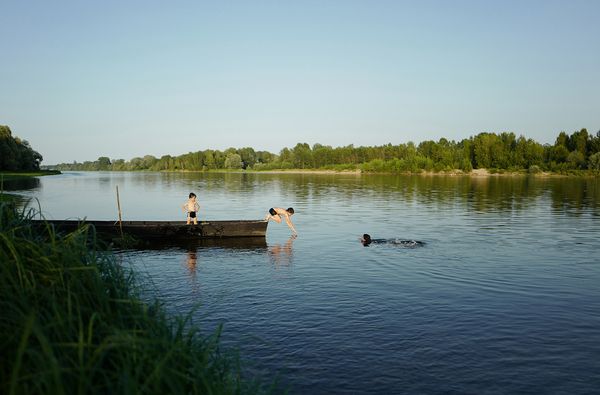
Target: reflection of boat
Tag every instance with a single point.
(169, 230)
(192, 245)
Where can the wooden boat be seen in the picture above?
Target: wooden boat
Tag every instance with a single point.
(167, 230)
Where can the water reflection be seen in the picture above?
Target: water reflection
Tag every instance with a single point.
(281, 255)
(192, 259)
(497, 193)
(573, 196)
(247, 195)
(21, 184)
(248, 243)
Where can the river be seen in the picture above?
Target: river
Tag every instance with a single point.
(503, 297)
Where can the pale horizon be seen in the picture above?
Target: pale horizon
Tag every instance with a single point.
(84, 80)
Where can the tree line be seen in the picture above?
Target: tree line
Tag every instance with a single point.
(504, 151)
(17, 154)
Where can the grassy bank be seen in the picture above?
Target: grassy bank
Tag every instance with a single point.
(72, 322)
(16, 175)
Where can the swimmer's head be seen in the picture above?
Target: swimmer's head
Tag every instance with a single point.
(365, 239)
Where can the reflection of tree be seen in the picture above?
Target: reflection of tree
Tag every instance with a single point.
(494, 192)
(21, 184)
(281, 254)
(575, 194)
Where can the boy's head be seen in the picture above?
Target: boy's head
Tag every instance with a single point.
(290, 210)
(366, 239)
(192, 195)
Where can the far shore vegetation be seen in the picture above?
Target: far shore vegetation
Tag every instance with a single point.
(73, 322)
(577, 153)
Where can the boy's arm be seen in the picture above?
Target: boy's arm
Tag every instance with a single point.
(290, 224)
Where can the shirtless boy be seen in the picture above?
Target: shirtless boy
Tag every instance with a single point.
(277, 213)
(192, 207)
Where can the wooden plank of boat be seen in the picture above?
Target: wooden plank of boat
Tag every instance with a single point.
(170, 229)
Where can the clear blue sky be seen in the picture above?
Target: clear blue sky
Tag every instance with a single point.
(82, 79)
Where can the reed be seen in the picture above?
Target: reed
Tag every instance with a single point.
(72, 321)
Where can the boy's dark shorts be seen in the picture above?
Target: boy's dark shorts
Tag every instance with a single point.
(192, 214)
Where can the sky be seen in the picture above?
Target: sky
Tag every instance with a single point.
(83, 79)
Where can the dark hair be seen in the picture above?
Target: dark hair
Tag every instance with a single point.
(366, 240)
(192, 194)
(290, 210)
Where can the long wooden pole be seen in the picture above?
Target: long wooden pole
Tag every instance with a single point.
(119, 207)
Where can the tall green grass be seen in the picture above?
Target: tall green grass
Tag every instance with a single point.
(72, 322)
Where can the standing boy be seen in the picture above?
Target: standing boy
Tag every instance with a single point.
(192, 207)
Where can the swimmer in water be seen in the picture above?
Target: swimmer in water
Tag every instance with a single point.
(366, 240)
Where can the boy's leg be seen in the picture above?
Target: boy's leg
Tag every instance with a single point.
(188, 219)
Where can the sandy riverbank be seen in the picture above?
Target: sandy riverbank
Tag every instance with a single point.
(473, 173)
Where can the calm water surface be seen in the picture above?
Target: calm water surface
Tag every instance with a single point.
(503, 298)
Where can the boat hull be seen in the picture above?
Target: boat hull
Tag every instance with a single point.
(166, 230)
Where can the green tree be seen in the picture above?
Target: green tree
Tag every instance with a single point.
(286, 157)
(103, 163)
(233, 161)
(562, 139)
(136, 164)
(302, 156)
(528, 153)
(209, 160)
(559, 154)
(219, 159)
(322, 155)
(483, 147)
(17, 154)
(595, 143)
(594, 161)
(248, 156)
(579, 141)
(118, 164)
(576, 160)
(148, 161)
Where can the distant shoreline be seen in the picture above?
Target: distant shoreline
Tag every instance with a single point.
(477, 173)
